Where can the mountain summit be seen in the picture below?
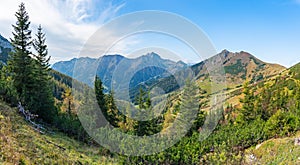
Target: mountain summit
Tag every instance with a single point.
(239, 67)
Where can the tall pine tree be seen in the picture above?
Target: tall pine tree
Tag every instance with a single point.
(113, 113)
(247, 112)
(20, 62)
(100, 96)
(43, 93)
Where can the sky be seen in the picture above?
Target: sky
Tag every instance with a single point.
(268, 29)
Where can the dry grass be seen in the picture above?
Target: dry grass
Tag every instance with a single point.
(21, 144)
(276, 151)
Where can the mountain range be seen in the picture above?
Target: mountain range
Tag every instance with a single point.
(117, 68)
(238, 67)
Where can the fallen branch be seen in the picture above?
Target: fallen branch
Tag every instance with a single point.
(60, 147)
(28, 116)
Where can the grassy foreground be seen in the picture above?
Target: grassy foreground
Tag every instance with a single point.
(21, 144)
(275, 151)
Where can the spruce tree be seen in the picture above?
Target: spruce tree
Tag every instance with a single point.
(141, 98)
(20, 62)
(247, 111)
(100, 97)
(148, 101)
(190, 104)
(42, 52)
(114, 116)
(44, 100)
(43, 89)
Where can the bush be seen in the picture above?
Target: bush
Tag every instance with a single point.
(281, 124)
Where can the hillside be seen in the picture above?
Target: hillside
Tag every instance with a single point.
(275, 151)
(21, 144)
(286, 79)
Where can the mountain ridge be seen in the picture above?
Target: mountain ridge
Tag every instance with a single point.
(151, 64)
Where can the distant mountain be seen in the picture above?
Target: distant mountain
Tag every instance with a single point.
(5, 48)
(238, 67)
(117, 70)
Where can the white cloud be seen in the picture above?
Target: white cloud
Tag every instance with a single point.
(67, 23)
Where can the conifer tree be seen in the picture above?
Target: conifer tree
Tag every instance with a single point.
(114, 116)
(100, 96)
(148, 101)
(44, 106)
(191, 104)
(247, 111)
(141, 98)
(20, 62)
(42, 52)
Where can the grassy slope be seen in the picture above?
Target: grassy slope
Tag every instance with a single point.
(19, 142)
(276, 151)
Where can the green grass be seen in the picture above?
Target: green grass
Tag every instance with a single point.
(277, 151)
(212, 87)
(295, 71)
(21, 144)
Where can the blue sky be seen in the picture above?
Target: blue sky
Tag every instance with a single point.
(269, 29)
